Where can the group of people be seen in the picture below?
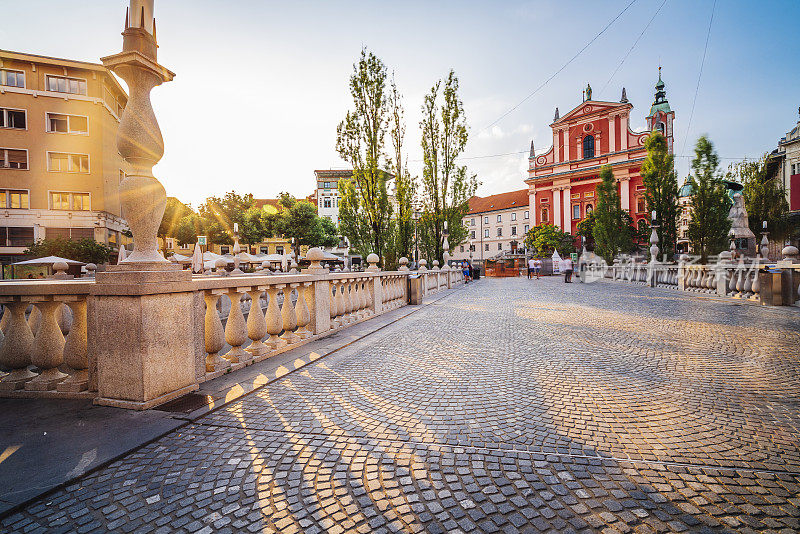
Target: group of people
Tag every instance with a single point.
(566, 267)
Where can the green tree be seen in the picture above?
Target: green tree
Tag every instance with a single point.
(710, 204)
(405, 184)
(545, 238)
(301, 222)
(586, 230)
(661, 190)
(173, 213)
(612, 232)
(365, 213)
(218, 215)
(446, 185)
(84, 250)
(187, 229)
(764, 196)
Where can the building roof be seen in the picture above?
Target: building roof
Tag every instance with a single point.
(501, 201)
(61, 62)
(275, 203)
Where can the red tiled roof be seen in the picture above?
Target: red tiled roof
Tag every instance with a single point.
(501, 201)
(276, 202)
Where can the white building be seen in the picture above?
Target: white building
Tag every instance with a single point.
(495, 224)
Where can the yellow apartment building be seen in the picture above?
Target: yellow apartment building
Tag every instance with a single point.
(59, 167)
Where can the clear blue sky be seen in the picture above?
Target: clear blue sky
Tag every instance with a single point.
(261, 85)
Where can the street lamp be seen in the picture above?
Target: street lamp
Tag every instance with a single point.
(416, 239)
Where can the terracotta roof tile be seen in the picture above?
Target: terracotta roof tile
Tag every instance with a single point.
(501, 201)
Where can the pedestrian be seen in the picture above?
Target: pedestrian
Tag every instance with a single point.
(531, 267)
(466, 270)
(537, 268)
(568, 270)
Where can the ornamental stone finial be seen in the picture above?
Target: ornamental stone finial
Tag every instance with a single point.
(373, 260)
(139, 140)
(403, 264)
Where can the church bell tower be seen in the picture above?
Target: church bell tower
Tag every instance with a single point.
(661, 116)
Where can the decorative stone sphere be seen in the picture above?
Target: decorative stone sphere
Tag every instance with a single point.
(435, 263)
(789, 252)
(373, 258)
(725, 255)
(265, 265)
(315, 254)
(91, 267)
(403, 263)
(423, 262)
(60, 266)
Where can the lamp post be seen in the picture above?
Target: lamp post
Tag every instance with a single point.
(139, 140)
(416, 238)
(764, 241)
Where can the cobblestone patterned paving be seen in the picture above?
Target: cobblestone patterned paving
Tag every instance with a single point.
(509, 406)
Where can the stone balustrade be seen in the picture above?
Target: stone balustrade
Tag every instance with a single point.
(51, 332)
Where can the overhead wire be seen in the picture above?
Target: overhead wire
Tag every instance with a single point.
(699, 75)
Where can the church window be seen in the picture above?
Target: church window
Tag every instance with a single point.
(588, 147)
(576, 211)
(641, 206)
(660, 127)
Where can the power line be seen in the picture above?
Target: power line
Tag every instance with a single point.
(634, 45)
(699, 75)
(564, 66)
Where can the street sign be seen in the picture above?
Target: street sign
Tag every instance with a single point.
(574, 257)
(202, 240)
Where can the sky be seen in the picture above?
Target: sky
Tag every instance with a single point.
(262, 85)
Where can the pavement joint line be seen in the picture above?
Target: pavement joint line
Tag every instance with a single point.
(14, 509)
(514, 450)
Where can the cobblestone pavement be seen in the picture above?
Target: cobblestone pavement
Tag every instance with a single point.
(509, 406)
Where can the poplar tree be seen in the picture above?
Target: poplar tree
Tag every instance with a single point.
(710, 204)
(365, 213)
(405, 184)
(446, 185)
(611, 231)
(661, 190)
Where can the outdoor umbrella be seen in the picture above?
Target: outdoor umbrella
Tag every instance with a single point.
(48, 260)
(197, 259)
(122, 254)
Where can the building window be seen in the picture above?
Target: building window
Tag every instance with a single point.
(326, 185)
(13, 118)
(641, 206)
(58, 123)
(486, 233)
(16, 236)
(472, 221)
(526, 215)
(326, 203)
(589, 209)
(660, 127)
(499, 218)
(513, 216)
(527, 228)
(486, 220)
(545, 214)
(462, 248)
(224, 249)
(472, 234)
(279, 250)
(576, 211)
(60, 200)
(500, 232)
(499, 246)
(793, 169)
(61, 162)
(486, 247)
(11, 158)
(263, 250)
(12, 78)
(513, 230)
(15, 199)
(62, 84)
(684, 222)
(472, 248)
(588, 147)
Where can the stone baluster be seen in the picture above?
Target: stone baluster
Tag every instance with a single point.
(348, 299)
(17, 348)
(76, 353)
(289, 315)
(748, 284)
(236, 329)
(333, 305)
(303, 315)
(256, 324)
(364, 296)
(214, 333)
(48, 348)
(368, 285)
(740, 280)
(732, 280)
(756, 285)
(34, 319)
(341, 306)
(5, 321)
(273, 318)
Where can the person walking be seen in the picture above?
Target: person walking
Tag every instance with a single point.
(537, 268)
(568, 270)
(531, 267)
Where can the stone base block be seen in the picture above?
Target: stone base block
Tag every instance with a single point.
(16, 380)
(145, 405)
(46, 381)
(76, 383)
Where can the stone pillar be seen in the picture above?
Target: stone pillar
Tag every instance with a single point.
(625, 193)
(557, 207)
(319, 306)
(567, 209)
